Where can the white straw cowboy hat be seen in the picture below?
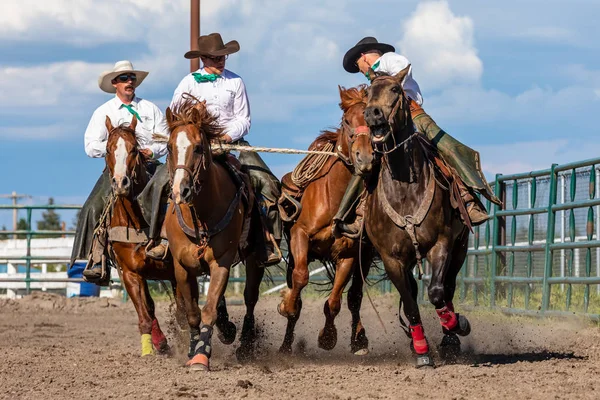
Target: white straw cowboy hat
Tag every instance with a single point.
(121, 67)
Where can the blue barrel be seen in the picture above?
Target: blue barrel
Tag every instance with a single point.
(85, 289)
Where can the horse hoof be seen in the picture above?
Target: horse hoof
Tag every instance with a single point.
(360, 344)
(227, 334)
(163, 348)
(198, 363)
(361, 352)
(449, 349)
(281, 311)
(424, 361)
(328, 338)
(464, 327)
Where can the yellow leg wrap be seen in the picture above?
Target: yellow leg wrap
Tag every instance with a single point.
(147, 348)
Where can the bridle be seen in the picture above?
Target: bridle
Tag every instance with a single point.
(138, 160)
(195, 171)
(400, 100)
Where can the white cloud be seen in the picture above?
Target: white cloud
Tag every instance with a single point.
(440, 45)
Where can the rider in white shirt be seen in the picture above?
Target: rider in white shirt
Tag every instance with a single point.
(371, 57)
(122, 80)
(226, 98)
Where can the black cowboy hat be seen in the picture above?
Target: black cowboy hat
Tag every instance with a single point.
(212, 45)
(364, 45)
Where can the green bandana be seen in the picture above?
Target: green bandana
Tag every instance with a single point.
(205, 78)
(133, 112)
(373, 68)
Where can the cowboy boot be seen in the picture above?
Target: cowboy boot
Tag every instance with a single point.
(160, 251)
(271, 222)
(477, 212)
(96, 269)
(340, 226)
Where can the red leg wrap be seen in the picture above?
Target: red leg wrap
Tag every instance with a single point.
(419, 341)
(157, 336)
(447, 317)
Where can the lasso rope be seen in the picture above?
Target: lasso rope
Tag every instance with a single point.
(310, 166)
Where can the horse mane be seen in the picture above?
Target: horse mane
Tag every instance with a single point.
(324, 138)
(353, 96)
(182, 114)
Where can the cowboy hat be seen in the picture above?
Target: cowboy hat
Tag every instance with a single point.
(212, 45)
(121, 67)
(364, 45)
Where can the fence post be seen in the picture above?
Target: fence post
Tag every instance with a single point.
(28, 261)
(551, 226)
(498, 189)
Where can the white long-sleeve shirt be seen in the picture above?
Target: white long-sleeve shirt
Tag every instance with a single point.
(391, 64)
(226, 98)
(153, 121)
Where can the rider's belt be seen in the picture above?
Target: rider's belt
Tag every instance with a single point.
(415, 109)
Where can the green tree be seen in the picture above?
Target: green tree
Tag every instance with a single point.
(50, 220)
(22, 226)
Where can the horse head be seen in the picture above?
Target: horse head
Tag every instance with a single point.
(388, 108)
(355, 129)
(122, 156)
(192, 128)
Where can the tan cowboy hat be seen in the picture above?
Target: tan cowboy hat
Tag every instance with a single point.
(212, 45)
(121, 67)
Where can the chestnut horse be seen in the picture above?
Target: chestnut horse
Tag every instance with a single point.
(206, 225)
(311, 235)
(409, 215)
(128, 232)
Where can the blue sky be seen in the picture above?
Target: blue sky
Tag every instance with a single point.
(517, 80)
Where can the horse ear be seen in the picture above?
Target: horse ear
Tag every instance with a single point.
(108, 124)
(169, 116)
(133, 123)
(400, 76)
(196, 116)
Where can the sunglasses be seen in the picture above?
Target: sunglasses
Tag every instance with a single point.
(126, 77)
(217, 58)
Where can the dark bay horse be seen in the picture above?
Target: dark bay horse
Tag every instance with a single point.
(207, 228)
(311, 235)
(409, 216)
(127, 232)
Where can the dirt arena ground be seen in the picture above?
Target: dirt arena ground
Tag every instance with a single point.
(54, 348)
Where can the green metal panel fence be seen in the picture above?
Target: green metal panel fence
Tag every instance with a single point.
(538, 254)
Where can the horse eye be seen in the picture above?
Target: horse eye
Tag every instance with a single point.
(198, 149)
(396, 89)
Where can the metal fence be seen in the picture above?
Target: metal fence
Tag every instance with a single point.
(538, 254)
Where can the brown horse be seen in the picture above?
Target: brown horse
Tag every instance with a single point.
(206, 226)
(407, 215)
(311, 235)
(127, 232)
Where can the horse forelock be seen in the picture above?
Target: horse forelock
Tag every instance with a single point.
(124, 131)
(208, 124)
(352, 96)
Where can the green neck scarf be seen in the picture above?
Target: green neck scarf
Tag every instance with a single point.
(205, 78)
(373, 68)
(132, 111)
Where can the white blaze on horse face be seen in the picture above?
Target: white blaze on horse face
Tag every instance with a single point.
(120, 169)
(183, 143)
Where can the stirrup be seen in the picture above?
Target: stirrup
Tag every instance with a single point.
(351, 231)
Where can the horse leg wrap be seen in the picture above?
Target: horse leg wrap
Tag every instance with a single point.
(418, 337)
(447, 318)
(147, 349)
(194, 339)
(158, 337)
(203, 346)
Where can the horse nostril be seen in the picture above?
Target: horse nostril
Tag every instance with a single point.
(114, 181)
(376, 112)
(185, 193)
(125, 182)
